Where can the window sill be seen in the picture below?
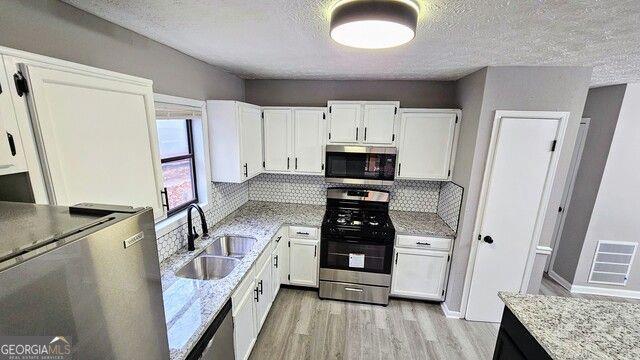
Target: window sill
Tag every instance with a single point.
(165, 226)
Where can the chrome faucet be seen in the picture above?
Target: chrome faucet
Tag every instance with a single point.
(193, 235)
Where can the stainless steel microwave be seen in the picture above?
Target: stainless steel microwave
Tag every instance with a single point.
(371, 165)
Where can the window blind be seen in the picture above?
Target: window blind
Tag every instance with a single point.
(165, 111)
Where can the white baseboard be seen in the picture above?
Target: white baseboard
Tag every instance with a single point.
(593, 290)
(448, 313)
(559, 279)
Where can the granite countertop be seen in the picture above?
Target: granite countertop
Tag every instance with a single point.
(191, 305)
(576, 328)
(420, 223)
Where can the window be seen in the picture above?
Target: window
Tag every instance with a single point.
(175, 138)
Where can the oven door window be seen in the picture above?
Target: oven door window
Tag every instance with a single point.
(361, 166)
(356, 256)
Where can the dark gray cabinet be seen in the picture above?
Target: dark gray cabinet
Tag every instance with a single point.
(515, 342)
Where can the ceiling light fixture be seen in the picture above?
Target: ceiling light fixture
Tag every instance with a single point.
(374, 24)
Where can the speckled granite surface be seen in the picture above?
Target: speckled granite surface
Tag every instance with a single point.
(574, 328)
(420, 223)
(191, 305)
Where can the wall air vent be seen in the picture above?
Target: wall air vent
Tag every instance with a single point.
(612, 262)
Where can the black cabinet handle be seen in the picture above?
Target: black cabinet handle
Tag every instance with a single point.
(302, 233)
(278, 239)
(365, 134)
(423, 243)
(488, 239)
(396, 258)
(357, 133)
(276, 259)
(246, 170)
(12, 144)
(287, 163)
(399, 168)
(257, 297)
(315, 249)
(260, 285)
(296, 163)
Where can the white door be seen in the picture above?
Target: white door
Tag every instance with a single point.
(426, 145)
(265, 294)
(518, 175)
(379, 121)
(568, 190)
(277, 137)
(344, 123)
(98, 138)
(419, 273)
(303, 262)
(308, 138)
(244, 326)
(275, 271)
(251, 139)
(283, 255)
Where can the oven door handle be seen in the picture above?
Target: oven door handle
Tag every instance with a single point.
(353, 289)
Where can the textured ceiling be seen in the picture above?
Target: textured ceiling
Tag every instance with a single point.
(290, 38)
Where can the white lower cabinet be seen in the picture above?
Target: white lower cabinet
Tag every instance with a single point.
(244, 324)
(264, 294)
(303, 262)
(419, 274)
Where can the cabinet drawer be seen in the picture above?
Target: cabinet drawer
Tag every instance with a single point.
(303, 232)
(423, 242)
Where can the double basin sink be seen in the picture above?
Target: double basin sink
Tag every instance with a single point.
(217, 260)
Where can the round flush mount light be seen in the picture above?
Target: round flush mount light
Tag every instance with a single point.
(374, 24)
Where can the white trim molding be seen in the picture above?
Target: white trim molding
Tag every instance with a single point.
(449, 313)
(593, 290)
(543, 250)
(559, 279)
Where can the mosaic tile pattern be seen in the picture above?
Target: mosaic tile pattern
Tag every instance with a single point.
(449, 203)
(225, 197)
(406, 195)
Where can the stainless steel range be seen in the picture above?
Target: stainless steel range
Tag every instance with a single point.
(356, 247)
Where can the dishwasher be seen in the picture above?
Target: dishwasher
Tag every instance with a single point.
(217, 341)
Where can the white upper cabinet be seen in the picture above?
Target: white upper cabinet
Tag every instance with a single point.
(379, 123)
(235, 140)
(278, 125)
(12, 159)
(344, 122)
(427, 143)
(308, 140)
(294, 139)
(96, 133)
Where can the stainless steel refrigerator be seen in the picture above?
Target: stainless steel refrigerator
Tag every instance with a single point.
(89, 273)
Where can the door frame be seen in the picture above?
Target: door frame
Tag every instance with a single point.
(576, 156)
(563, 117)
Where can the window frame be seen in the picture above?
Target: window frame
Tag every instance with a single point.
(191, 155)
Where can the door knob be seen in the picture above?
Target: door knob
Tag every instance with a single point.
(488, 239)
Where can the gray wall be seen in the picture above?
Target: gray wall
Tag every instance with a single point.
(603, 107)
(470, 92)
(522, 88)
(53, 28)
(434, 94)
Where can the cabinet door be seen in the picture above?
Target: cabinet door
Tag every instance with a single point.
(11, 154)
(244, 325)
(419, 273)
(265, 294)
(277, 137)
(379, 121)
(308, 137)
(303, 262)
(275, 271)
(426, 145)
(344, 122)
(98, 137)
(251, 139)
(282, 245)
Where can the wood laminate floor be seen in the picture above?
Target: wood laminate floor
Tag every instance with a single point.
(301, 326)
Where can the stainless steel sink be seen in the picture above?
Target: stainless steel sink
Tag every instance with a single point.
(208, 267)
(231, 245)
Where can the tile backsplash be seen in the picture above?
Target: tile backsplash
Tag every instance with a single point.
(406, 195)
(225, 199)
